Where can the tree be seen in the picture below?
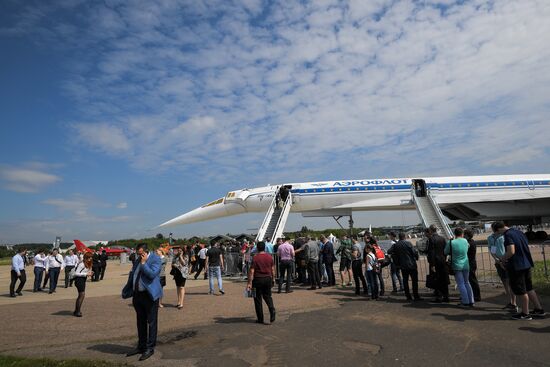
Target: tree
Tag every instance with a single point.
(159, 236)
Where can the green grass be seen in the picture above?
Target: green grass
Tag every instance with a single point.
(540, 282)
(5, 260)
(6, 361)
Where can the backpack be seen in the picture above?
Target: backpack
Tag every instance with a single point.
(380, 255)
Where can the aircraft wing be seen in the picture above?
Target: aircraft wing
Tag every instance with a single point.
(458, 197)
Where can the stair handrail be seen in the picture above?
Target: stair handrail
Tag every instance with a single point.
(267, 219)
(418, 207)
(440, 215)
(447, 232)
(280, 226)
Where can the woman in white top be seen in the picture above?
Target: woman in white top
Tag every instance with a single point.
(372, 268)
(180, 271)
(82, 271)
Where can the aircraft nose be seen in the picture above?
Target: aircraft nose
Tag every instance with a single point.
(206, 212)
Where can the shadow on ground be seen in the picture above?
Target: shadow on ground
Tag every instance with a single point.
(536, 330)
(234, 320)
(111, 348)
(63, 313)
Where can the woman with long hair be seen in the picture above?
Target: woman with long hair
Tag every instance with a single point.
(180, 271)
(82, 271)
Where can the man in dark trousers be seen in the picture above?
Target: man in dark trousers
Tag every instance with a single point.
(438, 266)
(18, 273)
(406, 257)
(144, 287)
(261, 278)
(96, 266)
(311, 250)
(103, 263)
(472, 262)
(328, 258)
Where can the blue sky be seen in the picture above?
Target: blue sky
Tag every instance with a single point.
(116, 116)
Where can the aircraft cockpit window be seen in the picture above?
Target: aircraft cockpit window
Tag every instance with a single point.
(216, 202)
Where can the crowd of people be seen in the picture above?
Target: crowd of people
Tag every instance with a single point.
(301, 262)
(47, 268)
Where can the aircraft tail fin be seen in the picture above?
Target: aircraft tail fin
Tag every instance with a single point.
(80, 247)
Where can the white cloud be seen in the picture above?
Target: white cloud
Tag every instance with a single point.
(105, 137)
(27, 178)
(305, 90)
(122, 205)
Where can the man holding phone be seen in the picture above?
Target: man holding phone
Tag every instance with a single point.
(145, 289)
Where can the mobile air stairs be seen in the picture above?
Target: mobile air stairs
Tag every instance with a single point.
(428, 210)
(275, 219)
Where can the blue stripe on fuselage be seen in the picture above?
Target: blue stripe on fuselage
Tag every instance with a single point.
(438, 186)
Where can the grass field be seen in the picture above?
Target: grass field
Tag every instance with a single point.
(540, 282)
(6, 361)
(5, 260)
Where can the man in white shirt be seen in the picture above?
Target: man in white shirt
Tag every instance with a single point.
(39, 268)
(70, 262)
(202, 262)
(54, 265)
(18, 272)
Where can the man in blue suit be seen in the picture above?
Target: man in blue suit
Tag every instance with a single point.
(144, 287)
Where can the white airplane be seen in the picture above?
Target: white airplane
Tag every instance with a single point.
(518, 199)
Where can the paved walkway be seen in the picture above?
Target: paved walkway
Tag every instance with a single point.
(324, 328)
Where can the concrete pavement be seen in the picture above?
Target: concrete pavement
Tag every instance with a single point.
(324, 328)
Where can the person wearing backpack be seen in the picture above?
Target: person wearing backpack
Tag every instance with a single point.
(381, 259)
(372, 269)
(345, 251)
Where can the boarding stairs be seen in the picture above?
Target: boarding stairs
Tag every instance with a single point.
(275, 220)
(430, 213)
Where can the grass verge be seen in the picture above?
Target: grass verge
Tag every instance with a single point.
(540, 282)
(7, 361)
(5, 260)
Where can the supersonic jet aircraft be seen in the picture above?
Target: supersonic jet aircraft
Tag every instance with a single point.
(519, 199)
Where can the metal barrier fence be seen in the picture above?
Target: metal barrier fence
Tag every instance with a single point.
(233, 263)
(486, 272)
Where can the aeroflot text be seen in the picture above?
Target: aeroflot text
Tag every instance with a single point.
(370, 182)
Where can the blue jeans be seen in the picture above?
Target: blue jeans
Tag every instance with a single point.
(215, 271)
(373, 283)
(54, 277)
(38, 274)
(466, 294)
(396, 277)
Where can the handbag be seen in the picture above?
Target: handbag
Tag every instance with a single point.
(431, 281)
(450, 260)
(72, 273)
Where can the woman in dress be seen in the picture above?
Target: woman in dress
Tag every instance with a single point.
(180, 271)
(163, 260)
(82, 271)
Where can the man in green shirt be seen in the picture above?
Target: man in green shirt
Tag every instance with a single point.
(345, 251)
